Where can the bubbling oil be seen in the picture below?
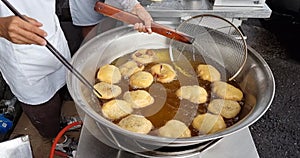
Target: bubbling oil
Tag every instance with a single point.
(167, 105)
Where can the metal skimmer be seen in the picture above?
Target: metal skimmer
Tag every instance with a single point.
(217, 41)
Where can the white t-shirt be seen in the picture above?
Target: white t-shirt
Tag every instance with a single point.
(33, 72)
(83, 13)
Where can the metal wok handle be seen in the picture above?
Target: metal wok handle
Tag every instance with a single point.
(130, 18)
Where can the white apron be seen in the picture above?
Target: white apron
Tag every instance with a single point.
(32, 72)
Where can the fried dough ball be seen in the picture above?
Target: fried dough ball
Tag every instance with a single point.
(130, 67)
(141, 79)
(195, 94)
(107, 90)
(227, 108)
(138, 98)
(208, 73)
(208, 123)
(163, 72)
(227, 91)
(116, 109)
(109, 74)
(136, 123)
(144, 56)
(174, 129)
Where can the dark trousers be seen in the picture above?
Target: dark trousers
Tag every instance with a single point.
(45, 117)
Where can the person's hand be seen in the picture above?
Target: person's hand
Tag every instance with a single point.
(143, 14)
(19, 31)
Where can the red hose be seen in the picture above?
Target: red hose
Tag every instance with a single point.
(61, 133)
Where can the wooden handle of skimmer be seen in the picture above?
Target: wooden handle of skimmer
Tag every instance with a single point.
(130, 18)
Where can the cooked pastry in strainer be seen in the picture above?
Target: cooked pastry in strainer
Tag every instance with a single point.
(174, 129)
(136, 123)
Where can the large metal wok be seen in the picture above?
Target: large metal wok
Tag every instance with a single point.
(256, 81)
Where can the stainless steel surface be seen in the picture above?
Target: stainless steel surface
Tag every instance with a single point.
(256, 80)
(239, 144)
(187, 8)
(239, 3)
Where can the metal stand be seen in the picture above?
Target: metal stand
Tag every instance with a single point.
(239, 144)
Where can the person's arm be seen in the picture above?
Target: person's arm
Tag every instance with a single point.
(135, 7)
(19, 31)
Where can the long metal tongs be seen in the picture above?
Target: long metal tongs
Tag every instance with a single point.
(57, 54)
